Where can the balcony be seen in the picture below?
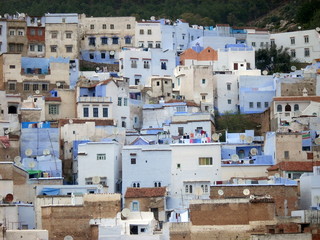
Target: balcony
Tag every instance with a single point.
(94, 99)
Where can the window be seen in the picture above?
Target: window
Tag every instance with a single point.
(203, 97)
(203, 81)
(133, 63)
(181, 109)
(127, 40)
(105, 112)
(85, 112)
(149, 32)
(111, 26)
(287, 108)
(146, 65)
(53, 109)
(111, 54)
(135, 206)
(306, 39)
(95, 112)
(115, 40)
(136, 81)
(91, 55)
(293, 40)
(133, 161)
(128, 26)
(266, 104)
(92, 41)
(32, 32)
(261, 44)
(53, 48)
(54, 34)
(136, 184)
(104, 26)
(228, 86)
(44, 86)
(279, 108)
(101, 156)
(141, 44)
(158, 45)
(12, 86)
(150, 44)
(26, 86)
(35, 87)
(188, 188)
(119, 101)
(125, 101)
(293, 53)
(296, 107)
(180, 131)
(12, 32)
(258, 104)
(253, 44)
(205, 160)
(39, 32)
(69, 48)
(103, 55)
(157, 184)
(32, 47)
(104, 40)
(229, 101)
(68, 34)
(141, 31)
(286, 154)
(12, 66)
(250, 104)
(12, 47)
(91, 26)
(272, 42)
(19, 47)
(164, 65)
(306, 52)
(40, 48)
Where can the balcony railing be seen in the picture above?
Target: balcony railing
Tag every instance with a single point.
(94, 99)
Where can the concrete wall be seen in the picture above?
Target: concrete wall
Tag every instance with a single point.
(26, 234)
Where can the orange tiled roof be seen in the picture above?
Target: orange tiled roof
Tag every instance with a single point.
(146, 192)
(298, 98)
(53, 99)
(298, 166)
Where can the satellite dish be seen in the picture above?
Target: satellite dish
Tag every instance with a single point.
(8, 198)
(220, 192)
(97, 68)
(37, 92)
(198, 191)
(318, 29)
(253, 151)
(17, 159)
(100, 187)
(293, 68)
(246, 191)
(249, 139)
(28, 152)
(215, 137)
(68, 237)
(32, 164)
(235, 157)
(252, 197)
(96, 180)
(58, 84)
(46, 152)
(265, 72)
(112, 52)
(242, 137)
(6, 132)
(70, 121)
(317, 141)
(125, 212)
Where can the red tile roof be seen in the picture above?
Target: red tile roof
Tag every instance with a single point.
(298, 98)
(189, 103)
(53, 99)
(298, 166)
(145, 192)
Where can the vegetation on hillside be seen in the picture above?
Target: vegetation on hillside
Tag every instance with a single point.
(203, 12)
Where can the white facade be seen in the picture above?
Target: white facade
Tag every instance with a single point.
(146, 166)
(3, 37)
(303, 46)
(310, 189)
(139, 64)
(148, 34)
(195, 167)
(101, 159)
(258, 39)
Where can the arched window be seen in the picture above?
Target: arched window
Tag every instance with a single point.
(287, 108)
(296, 107)
(12, 110)
(279, 108)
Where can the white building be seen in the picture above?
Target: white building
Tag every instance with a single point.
(146, 166)
(195, 167)
(310, 189)
(139, 64)
(100, 163)
(303, 46)
(3, 36)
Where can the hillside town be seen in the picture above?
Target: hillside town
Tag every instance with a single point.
(109, 130)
